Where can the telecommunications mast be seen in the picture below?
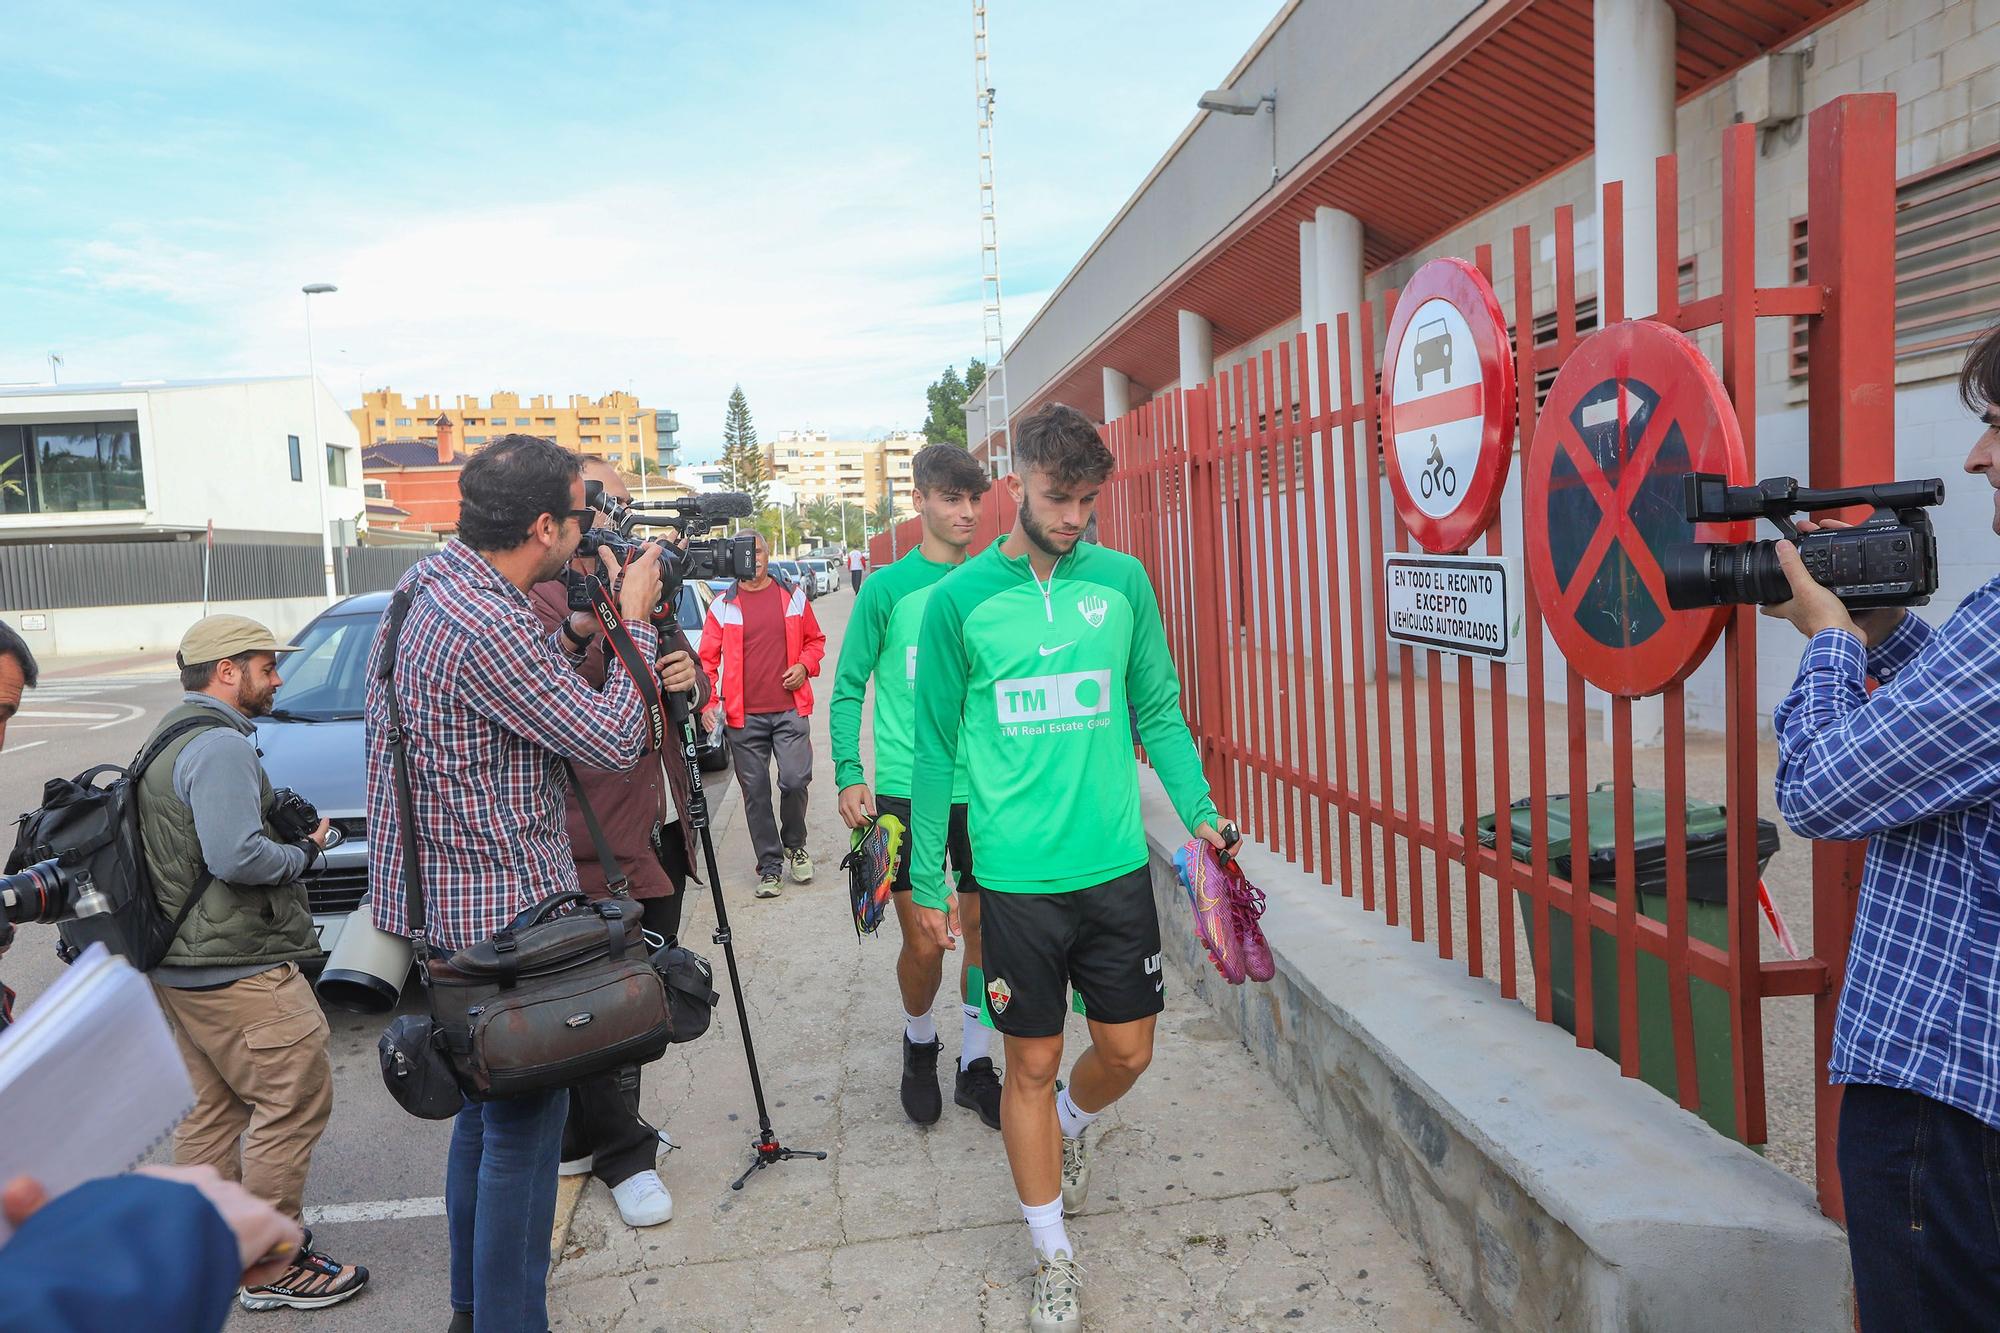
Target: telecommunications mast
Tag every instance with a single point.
(999, 455)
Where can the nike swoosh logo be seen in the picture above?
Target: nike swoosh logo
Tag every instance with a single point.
(1048, 651)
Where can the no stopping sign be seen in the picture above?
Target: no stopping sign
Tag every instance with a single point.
(1447, 404)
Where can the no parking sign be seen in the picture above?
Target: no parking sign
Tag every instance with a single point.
(1447, 404)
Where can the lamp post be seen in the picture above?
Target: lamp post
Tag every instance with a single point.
(311, 290)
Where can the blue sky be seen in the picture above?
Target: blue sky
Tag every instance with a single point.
(557, 198)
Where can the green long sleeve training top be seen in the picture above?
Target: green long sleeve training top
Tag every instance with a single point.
(1028, 684)
(881, 641)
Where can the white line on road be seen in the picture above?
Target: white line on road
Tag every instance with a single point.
(380, 1210)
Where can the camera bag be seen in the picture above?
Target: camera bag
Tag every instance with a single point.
(691, 993)
(562, 992)
(92, 827)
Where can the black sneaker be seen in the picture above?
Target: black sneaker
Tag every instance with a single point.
(979, 1090)
(922, 1101)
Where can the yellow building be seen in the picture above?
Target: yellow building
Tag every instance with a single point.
(853, 471)
(615, 426)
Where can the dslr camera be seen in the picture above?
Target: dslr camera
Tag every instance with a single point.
(1890, 559)
(715, 558)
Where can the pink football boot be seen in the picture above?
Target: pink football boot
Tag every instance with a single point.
(1226, 908)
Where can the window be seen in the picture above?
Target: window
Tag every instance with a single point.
(402, 421)
(72, 467)
(475, 439)
(618, 439)
(381, 421)
(545, 421)
(631, 421)
(520, 421)
(336, 466)
(375, 490)
(292, 447)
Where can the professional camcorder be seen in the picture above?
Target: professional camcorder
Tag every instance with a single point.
(1888, 560)
(717, 558)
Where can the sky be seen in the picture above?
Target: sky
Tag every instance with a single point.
(670, 198)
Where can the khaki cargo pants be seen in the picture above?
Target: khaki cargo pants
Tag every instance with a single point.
(255, 1051)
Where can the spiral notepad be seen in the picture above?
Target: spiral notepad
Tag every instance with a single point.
(90, 1079)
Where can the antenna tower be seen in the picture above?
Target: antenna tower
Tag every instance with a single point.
(999, 454)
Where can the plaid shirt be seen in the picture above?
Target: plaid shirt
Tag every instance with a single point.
(490, 701)
(1914, 767)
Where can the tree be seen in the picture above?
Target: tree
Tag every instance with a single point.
(742, 460)
(946, 398)
(884, 516)
(823, 517)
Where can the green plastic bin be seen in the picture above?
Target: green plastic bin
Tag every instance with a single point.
(1708, 920)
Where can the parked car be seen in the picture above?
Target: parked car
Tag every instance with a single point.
(822, 572)
(797, 574)
(312, 740)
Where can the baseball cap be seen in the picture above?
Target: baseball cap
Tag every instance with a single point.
(215, 637)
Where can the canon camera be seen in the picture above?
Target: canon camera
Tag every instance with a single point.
(1889, 559)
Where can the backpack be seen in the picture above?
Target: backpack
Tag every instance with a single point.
(94, 830)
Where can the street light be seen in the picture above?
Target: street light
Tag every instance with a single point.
(1229, 102)
(311, 290)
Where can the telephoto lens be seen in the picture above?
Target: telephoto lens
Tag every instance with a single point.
(40, 892)
(1702, 574)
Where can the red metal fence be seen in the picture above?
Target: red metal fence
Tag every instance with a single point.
(1337, 748)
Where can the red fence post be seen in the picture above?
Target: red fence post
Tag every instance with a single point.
(1851, 411)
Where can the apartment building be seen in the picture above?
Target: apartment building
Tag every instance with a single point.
(614, 427)
(856, 472)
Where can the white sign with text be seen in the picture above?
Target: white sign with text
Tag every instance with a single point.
(1464, 604)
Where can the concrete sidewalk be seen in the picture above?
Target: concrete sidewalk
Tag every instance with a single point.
(1213, 1202)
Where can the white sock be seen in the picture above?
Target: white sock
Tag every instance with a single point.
(1045, 1227)
(919, 1029)
(974, 1037)
(1074, 1118)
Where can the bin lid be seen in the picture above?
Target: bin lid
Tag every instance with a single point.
(1707, 826)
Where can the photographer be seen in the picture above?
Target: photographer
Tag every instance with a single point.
(1914, 767)
(644, 815)
(18, 674)
(249, 1029)
(490, 701)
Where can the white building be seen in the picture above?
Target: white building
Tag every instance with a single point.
(107, 480)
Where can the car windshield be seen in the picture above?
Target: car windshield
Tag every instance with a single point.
(691, 608)
(326, 680)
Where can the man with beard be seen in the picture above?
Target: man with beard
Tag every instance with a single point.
(250, 1032)
(1029, 656)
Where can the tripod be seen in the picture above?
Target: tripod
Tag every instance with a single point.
(767, 1150)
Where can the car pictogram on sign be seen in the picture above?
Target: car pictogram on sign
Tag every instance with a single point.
(1433, 350)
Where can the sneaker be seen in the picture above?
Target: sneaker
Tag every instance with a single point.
(922, 1101)
(978, 1090)
(769, 887)
(577, 1166)
(1058, 1302)
(802, 865)
(643, 1200)
(1206, 883)
(313, 1282)
(1248, 900)
(1075, 1175)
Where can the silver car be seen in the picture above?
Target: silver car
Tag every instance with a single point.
(312, 740)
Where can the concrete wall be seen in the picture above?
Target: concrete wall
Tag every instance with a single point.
(1545, 1191)
(209, 452)
(90, 631)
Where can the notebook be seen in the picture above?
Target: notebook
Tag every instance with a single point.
(90, 1079)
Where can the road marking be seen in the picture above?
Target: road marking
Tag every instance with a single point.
(77, 717)
(380, 1210)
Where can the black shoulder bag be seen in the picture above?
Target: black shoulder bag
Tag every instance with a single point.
(562, 992)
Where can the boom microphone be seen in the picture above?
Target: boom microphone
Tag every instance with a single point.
(728, 504)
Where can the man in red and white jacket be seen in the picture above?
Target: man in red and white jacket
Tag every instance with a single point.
(759, 645)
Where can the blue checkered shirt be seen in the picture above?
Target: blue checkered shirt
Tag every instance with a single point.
(1914, 767)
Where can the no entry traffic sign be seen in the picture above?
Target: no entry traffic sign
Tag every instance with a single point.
(1633, 410)
(1447, 404)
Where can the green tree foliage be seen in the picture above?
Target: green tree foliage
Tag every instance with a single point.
(742, 459)
(945, 400)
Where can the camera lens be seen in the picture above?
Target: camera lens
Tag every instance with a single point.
(37, 893)
(1690, 580)
(1713, 574)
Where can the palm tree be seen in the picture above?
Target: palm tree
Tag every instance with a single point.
(883, 516)
(823, 517)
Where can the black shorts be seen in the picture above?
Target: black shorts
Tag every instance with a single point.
(957, 841)
(1104, 941)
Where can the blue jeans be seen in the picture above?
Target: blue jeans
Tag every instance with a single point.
(500, 1205)
(1922, 1184)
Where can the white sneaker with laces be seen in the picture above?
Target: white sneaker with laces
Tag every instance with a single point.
(1058, 1302)
(769, 887)
(643, 1200)
(1075, 1175)
(802, 865)
(577, 1166)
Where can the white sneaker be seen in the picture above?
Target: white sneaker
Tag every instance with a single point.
(1058, 1302)
(802, 865)
(643, 1200)
(1075, 1175)
(577, 1166)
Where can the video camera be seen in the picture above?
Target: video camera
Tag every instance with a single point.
(717, 558)
(1890, 559)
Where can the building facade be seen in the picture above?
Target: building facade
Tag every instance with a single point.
(614, 427)
(1250, 229)
(857, 472)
